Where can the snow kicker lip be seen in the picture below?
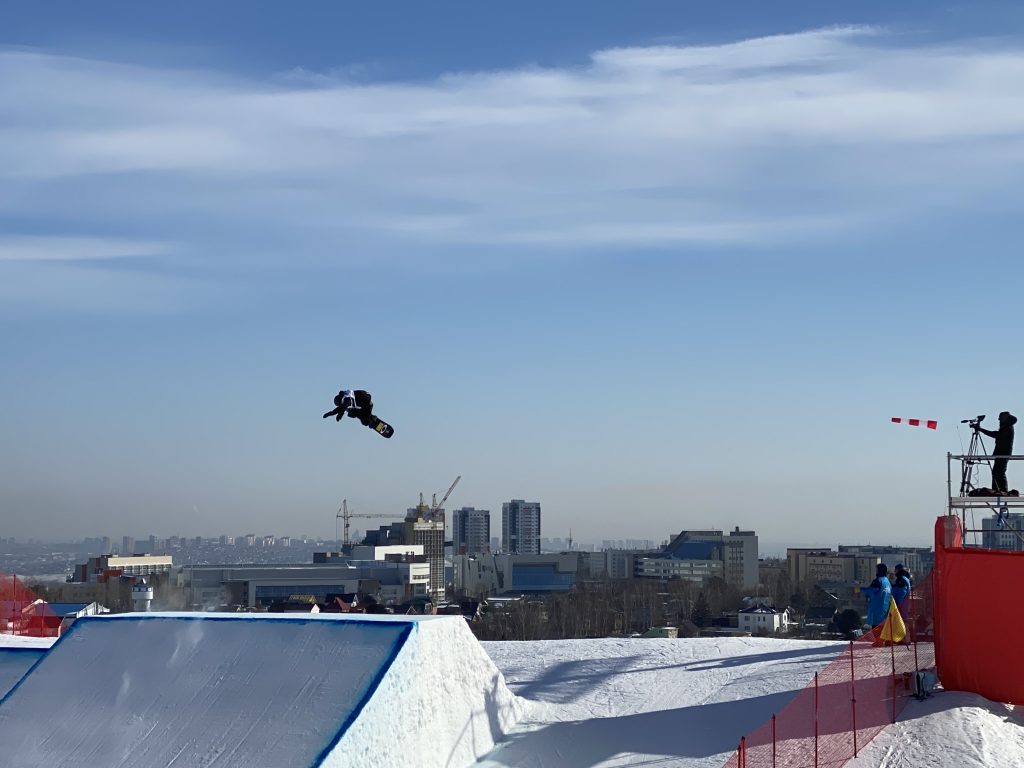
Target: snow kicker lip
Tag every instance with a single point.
(259, 691)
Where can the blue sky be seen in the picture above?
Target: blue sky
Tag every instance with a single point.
(655, 266)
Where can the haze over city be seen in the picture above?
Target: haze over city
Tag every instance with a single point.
(650, 267)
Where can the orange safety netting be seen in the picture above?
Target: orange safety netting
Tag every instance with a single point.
(849, 701)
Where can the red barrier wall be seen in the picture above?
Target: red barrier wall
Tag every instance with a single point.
(978, 621)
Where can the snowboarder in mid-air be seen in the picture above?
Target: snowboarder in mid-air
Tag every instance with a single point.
(358, 403)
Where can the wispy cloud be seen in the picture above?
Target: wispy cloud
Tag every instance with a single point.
(779, 139)
(74, 248)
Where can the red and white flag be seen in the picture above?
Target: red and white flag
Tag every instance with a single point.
(930, 423)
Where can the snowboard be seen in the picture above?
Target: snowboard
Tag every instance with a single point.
(382, 428)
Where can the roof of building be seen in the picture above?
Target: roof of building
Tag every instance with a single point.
(692, 550)
(63, 609)
(762, 609)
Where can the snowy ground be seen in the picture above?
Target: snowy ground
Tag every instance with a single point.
(646, 701)
(21, 641)
(675, 703)
(950, 730)
(611, 702)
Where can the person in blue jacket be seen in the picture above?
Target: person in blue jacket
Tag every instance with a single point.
(879, 594)
(901, 586)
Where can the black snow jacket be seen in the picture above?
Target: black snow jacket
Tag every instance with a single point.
(1004, 436)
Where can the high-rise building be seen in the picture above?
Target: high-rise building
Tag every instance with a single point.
(127, 546)
(520, 527)
(422, 526)
(471, 531)
(425, 526)
(741, 558)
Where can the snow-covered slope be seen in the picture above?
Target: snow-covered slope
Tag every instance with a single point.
(676, 703)
(951, 729)
(278, 692)
(442, 703)
(647, 701)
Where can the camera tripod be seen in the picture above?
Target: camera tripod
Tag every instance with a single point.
(977, 450)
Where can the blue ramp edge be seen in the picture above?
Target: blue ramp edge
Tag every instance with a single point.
(370, 690)
(224, 690)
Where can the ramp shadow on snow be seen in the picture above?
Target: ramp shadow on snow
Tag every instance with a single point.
(687, 732)
(567, 681)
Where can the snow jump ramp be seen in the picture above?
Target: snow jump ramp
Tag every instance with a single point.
(258, 691)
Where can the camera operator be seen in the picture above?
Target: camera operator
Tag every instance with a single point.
(1003, 447)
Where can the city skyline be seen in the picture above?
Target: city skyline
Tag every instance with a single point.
(674, 267)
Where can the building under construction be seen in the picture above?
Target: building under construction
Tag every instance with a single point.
(423, 525)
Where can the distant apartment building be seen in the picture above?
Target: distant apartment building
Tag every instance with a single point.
(1009, 536)
(699, 555)
(611, 563)
(520, 527)
(471, 531)
(686, 568)
(741, 569)
(127, 545)
(808, 566)
(918, 560)
(108, 579)
(99, 569)
(796, 560)
(486, 575)
(259, 586)
(633, 544)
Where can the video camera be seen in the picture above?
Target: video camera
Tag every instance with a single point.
(974, 423)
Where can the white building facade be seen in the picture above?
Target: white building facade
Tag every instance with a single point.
(760, 619)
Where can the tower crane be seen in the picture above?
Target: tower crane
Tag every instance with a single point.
(346, 515)
(436, 506)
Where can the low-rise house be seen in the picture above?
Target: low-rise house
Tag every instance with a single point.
(762, 619)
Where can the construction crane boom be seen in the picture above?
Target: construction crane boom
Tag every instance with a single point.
(346, 515)
(447, 494)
